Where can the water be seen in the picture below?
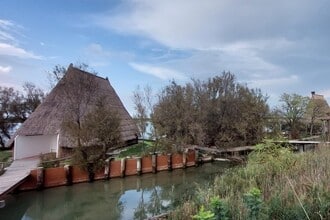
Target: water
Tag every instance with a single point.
(128, 198)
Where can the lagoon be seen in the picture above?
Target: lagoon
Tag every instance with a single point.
(134, 197)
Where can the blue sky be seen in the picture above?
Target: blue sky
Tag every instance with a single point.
(277, 46)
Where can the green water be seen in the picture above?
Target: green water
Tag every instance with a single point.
(128, 198)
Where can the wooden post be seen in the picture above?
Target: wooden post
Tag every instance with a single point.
(169, 162)
(122, 167)
(196, 158)
(138, 166)
(184, 159)
(107, 169)
(40, 178)
(68, 174)
(91, 174)
(154, 163)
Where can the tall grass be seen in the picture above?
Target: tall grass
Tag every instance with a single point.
(293, 186)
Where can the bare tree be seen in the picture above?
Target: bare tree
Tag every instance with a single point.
(58, 72)
(33, 96)
(79, 92)
(142, 106)
(316, 109)
(98, 133)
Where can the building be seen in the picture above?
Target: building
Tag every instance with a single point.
(75, 95)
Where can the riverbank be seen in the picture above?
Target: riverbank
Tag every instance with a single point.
(275, 184)
(51, 177)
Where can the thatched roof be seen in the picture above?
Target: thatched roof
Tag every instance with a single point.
(76, 90)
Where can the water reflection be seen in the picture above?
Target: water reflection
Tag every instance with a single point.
(128, 198)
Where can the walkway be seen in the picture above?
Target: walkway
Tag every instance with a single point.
(16, 173)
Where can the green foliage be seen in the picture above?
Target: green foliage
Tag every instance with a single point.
(139, 149)
(48, 160)
(253, 202)
(204, 214)
(292, 110)
(185, 114)
(220, 209)
(274, 156)
(5, 155)
(15, 107)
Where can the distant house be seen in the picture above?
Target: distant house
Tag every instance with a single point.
(77, 92)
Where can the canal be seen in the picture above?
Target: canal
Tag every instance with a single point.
(135, 197)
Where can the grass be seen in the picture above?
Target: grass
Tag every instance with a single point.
(5, 155)
(292, 186)
(139, 149)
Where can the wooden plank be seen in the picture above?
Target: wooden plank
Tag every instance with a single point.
(16, 173)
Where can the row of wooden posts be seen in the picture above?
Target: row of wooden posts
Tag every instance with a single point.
(107, 167)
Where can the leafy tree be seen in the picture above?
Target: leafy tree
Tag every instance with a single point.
(274, 124)
(15, 107)
(174, 115)
(293, 109)
(217, 112)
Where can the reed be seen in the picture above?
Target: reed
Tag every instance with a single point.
(292, 186)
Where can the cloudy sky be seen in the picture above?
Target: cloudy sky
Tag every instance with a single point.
(277, 46)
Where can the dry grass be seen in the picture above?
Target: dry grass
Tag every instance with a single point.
(293, 186)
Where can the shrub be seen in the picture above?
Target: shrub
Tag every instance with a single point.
(204, 214)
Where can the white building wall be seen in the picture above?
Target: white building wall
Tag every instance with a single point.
(28, 146)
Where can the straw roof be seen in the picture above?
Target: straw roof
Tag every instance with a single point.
(77, 92)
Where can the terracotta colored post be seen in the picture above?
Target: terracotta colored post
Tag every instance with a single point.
(184, 159)
(169, 162)
(40, 178)
(138, 166)
(154, 163)
(68, 174)
(122, 167)
(107, 169)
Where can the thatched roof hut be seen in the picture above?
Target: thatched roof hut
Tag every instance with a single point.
(77, 92)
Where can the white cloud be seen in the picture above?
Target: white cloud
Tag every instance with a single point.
(279, 81)
(5, 69)
(199, 24)
(273, 51)
(159, 72)
(11, 50)
(238, 36)
(5, 30)
(95, 49)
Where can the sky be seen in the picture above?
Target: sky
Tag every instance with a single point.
(277, 46)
